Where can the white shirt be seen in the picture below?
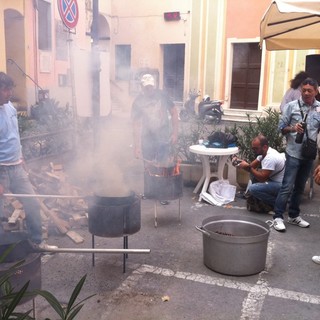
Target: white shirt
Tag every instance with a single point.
(275, 162)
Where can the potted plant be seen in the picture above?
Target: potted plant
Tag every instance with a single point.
(11, 297)
(267, 125)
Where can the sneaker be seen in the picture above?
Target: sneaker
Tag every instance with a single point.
(164, 202)
(298, 221)
(316, 259)
(279, 225)
(43, 246)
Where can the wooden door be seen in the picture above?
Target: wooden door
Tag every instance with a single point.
(246, 69)
(173, 70)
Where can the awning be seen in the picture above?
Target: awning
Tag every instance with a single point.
(291, 24)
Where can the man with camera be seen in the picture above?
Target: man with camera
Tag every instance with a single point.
(266, 173)
(298, 164)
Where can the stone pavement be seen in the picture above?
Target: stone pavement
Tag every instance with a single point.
(172, 282)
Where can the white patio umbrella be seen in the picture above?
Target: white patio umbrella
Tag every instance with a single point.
(291, 24)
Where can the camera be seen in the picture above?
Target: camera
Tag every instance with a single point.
(236, 162)
(299, 136)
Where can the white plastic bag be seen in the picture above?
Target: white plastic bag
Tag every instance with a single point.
(220, 193)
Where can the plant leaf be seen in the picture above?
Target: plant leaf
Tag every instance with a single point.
(15, 301)
(22, 316)
(87, 298)
(52, 300)
(76, 292)
(74, 312)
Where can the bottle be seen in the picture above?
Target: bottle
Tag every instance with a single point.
(299, 136)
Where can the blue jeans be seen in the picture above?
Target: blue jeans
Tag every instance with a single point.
(265, 191)
(15, 179)
(295, 177)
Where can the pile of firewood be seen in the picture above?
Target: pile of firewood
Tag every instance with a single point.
(61, 215)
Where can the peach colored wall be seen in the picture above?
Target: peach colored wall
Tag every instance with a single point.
(243, 22)
(243, 17)
(4, 4)
(78, 63)
(143, 27)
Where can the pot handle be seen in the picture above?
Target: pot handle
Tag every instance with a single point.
(203, 231)
(270, 223)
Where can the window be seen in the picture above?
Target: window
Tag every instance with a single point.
(44, 25)
(123, 62)
(61, 42)
(246, 69)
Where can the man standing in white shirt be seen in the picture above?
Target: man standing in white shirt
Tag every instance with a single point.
(13, 176)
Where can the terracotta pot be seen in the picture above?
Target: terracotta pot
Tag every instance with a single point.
(243, 178)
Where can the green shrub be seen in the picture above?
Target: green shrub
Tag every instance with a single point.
(266, 125)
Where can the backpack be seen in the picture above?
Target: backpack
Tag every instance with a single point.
(221, 140)
(256, 205)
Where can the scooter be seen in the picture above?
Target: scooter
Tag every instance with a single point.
(188, 110)
(210, 111)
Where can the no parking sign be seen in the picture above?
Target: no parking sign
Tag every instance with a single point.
(69, 12)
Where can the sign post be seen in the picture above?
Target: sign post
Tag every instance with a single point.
(95, 73)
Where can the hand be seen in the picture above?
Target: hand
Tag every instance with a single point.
(24, 166)
(235, 161)
(174, 138)
(137, 153)
(316, 175)
(244, 165)
(298, 128)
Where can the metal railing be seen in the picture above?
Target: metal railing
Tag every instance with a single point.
(26, 75)
(45, 145)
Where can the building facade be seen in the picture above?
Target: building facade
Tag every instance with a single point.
(48, 58)
(213, 47)
(206, 45)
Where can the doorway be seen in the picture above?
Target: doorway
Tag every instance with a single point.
(15, 55)
(173, 70)
(246, 69)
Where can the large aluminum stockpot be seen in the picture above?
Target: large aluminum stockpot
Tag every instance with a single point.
(234, 245)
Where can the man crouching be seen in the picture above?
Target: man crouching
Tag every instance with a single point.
(266, 173)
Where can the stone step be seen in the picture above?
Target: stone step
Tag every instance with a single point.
(239, 115)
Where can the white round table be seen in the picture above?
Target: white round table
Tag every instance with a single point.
(205, 153)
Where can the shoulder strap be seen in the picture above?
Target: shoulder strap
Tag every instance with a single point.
(302, 115)
(274, 173)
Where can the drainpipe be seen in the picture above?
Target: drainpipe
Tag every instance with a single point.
(95, 73)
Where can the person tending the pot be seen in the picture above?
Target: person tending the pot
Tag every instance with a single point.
(266, 173)
(155, 125)
(299, 154)
(13, 175)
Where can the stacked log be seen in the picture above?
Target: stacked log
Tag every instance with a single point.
(63, 215)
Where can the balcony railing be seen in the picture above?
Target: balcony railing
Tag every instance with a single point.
(45, 145)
